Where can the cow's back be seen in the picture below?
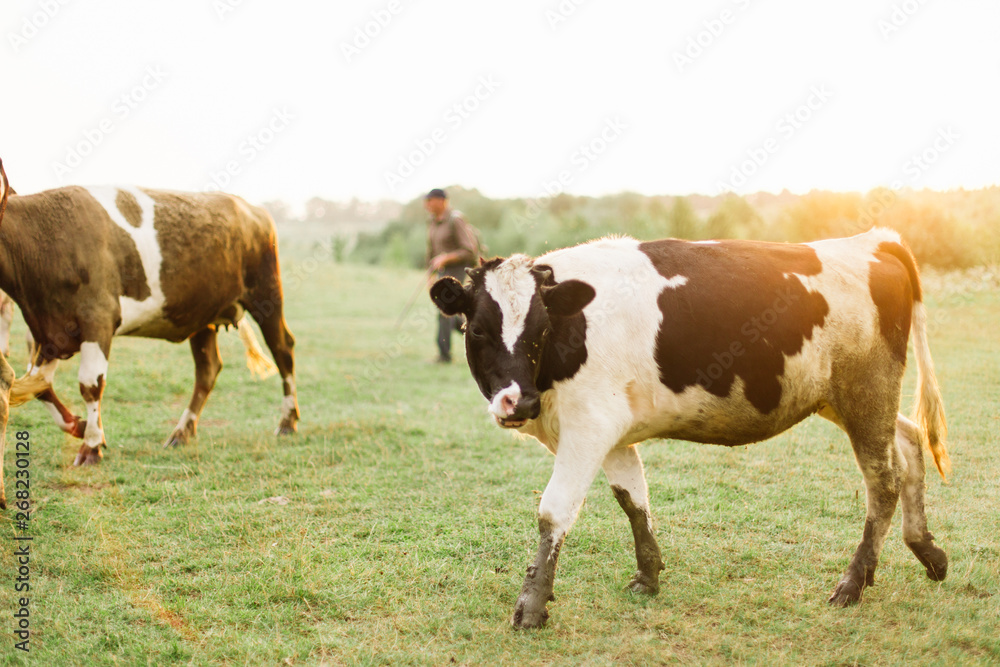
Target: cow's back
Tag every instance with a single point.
(209, 240)
(168, 263)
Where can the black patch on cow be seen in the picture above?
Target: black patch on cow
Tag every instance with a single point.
(894, 285)
(565, 348)
(737, 315)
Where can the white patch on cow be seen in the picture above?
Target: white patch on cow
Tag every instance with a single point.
(93, 436)
(135, 313)
(675, 281)
(705, 242)
(93, 363)
(289, 404)
(512, 393)
(512, 286)
(93, 368)
(187, 417)
(627, 287)
(623, 468)
(56, 416)
(46, 370)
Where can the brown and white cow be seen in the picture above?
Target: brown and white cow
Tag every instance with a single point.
(87, 264)
(596, 348)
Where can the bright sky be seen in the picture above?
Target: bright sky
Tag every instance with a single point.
(273, 99)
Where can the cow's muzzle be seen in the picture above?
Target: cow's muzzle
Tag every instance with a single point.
(512, 409)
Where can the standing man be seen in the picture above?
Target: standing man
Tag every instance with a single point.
(451, 248)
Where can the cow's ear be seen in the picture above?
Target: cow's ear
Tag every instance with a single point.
(450, 297)
(567, 298)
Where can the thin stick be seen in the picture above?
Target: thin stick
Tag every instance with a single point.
(413, 298)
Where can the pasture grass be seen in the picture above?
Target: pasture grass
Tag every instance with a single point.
(396, 527)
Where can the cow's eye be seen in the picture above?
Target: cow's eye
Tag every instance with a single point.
(475, 331)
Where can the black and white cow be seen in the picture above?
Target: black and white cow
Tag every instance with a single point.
(596, 348)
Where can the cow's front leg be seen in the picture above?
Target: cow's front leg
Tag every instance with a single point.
(574, 472)
(628, 482)
(93, 371)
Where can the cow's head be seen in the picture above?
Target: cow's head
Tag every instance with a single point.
(509, 305)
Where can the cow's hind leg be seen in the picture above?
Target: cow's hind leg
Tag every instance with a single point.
(61, 415)
(623, 468)
(915, 533)
(873, 438)
(93, 374)
(207, 364)
(280, 341)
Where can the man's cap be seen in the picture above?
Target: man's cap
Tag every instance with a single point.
(436, 193)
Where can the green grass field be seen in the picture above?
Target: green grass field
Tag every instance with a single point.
(396, 527)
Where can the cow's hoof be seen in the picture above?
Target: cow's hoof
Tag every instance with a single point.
(176, 440)
(848, 592)
(88, 456)
(3, 502)
(286, 429)
(79, 428)
(182, 436)
(938, 570)
(932, 557)
(642, 585)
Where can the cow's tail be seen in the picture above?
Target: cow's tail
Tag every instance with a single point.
(32, 383)
(928, 412)
(26, 387)
(258, 363)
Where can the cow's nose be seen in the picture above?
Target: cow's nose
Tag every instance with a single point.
(505, 402)
(528, 407)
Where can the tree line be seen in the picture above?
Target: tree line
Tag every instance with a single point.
(949, 229)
